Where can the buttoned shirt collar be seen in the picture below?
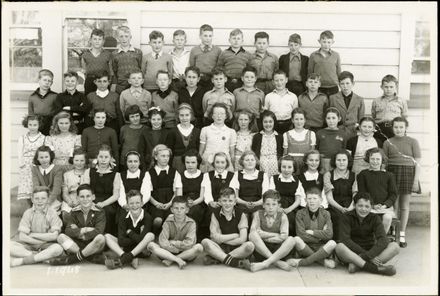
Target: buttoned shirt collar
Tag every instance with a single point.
(171, 218)
(338, 175)
(158, 169)
(240, 50)
(135, 222)
(223, 128)
(47, 170)
(248, 91)
(265, 214)
(264, 134)
(311, 176)
(131, 48)
(313, 215)
(282, 92)
(223, 213)
(134, 90)
(71, 94)
(37, 92)
(224, 174)
(153, 53)
(283, 179)
(330, 51)
(252, 175)
(262, 56)
(44, 210)
(388, 98)
(184, 52)
(202, 46)
(349, 96)
(102, 94)
(92, 208)
(295, 55)
(134, 175)
(188, 175)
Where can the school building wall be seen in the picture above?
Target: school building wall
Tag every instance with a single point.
(371, 44)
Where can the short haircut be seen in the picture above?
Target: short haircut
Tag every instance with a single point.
(273, 194)
(253, 128)
(218, 71)
(249, 69)
(299, 110)
(227, 192)
(97, 32)
(162, 72)
(287, 158)
(400, 119)
(367, 118)
(70, 74)
(296, 38)
(159, 148)
(235, 32)
(389, 78)
(314, 76)
(133, 192)
(193, 69)
(332, 110)
(192, 153)
(78, 151)
(179, 199)
(102, 74)
(179, 33)
(28, 118)
(206, 27)
(246, 153)
(38, 189)
(221, 154)
(185, 106)
(279, 72)
(99, 110)
(314, 190)
(342, 152)
(219, 105)
(326, 35)
(268, 113)
(363, 195)
(344, 75)
(43, 148)
(105, 147)
(261, 35)
(136, 72)
(45, 72)
(155, 111)
(371, 151)
(54, 128)
(124, 29)
(84, 187)
(155, 35)
(132, 109)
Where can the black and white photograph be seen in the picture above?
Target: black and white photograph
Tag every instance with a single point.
(232, 148)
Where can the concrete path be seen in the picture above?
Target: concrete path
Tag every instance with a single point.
(413, 272)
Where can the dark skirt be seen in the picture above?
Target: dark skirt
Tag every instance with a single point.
(404, 177)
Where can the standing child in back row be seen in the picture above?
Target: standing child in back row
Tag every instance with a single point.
(326, 63)
(180, 57)
(165, 98)
(155, 61)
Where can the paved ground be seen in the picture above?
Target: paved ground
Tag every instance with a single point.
(413, 272)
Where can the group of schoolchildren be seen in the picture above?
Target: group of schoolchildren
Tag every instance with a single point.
(254, 160)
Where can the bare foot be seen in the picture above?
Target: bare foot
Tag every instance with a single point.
(258, 266)
(283, 265)
(16, 262)
(293, 262)
(181, 263)
(167, 262)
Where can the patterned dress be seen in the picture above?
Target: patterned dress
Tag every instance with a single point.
(244, 142)
(27, 147)
(268, 156)
(63, 147)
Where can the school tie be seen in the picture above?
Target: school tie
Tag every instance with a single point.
(46, 178)
(206, 48)
(157, 56)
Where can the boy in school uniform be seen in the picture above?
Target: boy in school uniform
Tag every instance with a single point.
(326, 63)
(281, 102)
(205, 56)
(314, 103)
(229, 226)
(177, 240)
(295, 64)
(351, 106)
(155, 61)
(363, 241)
(248, 96)
(74, 102)
(38, 230)
(42, 101)
(125, 59)
(95, 60)
(233, 60)
(165, 98)
(134, 234)
(270, 234)
(265, 62)
(314, 232)
(136, 95)
(387, 107)
(219, 94)
(180, 56)
(84, 233)
(107, 100)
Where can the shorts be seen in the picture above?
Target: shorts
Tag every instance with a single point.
(227, 248)
(80, 243)
(272, 248)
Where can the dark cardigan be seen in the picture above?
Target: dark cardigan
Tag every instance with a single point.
(284, 62)
(256, 144)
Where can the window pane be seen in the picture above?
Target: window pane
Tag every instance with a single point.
(422, 48)
(421, 67)
(74, 59)
(25, 36)
(31, 17)
(25, 64)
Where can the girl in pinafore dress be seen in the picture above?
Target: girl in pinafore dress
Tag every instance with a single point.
(183, 137)
(63, 139)
(105, 181)
(246, 127)
(311, 177)
(165, 183)
(268, 144)
(298, 140)
(27, 146)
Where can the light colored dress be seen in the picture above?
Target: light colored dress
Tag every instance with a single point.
(268, 155)
(244, 143)
(363, 144)
(71, 181)
(63, 147)
(27, 146)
